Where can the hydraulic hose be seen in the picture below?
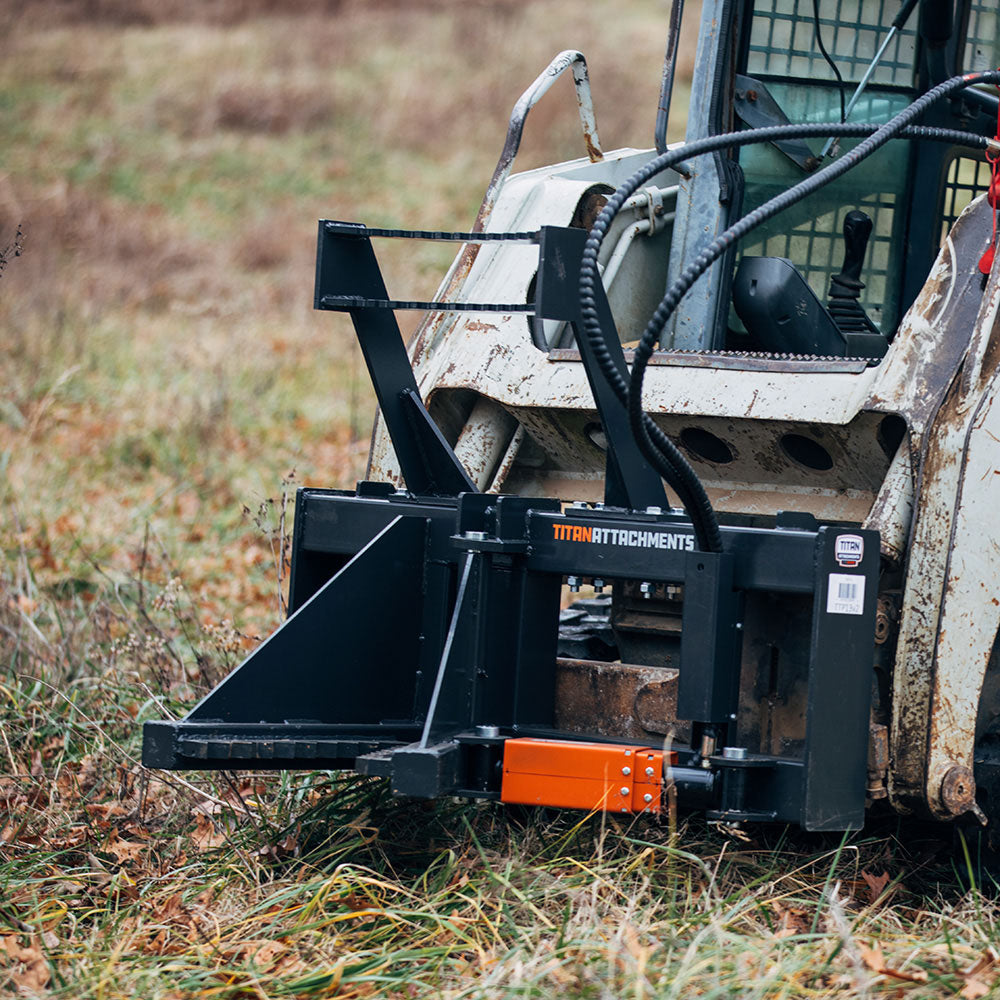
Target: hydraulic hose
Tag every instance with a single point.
(655, 445)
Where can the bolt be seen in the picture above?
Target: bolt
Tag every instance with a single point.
(646, 589)
(647, 797)
(654, 510)
(626, 770)
(739, 626)
(958, 790)
(574, 584)
(580, 504)
(650, 772)
(598, 585)
(751, 95)
(707, 749)
(488, 732)
(624, 790)
(628, 753)
(734, 753)
(476, 536)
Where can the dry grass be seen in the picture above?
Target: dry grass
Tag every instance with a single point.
(161, 342)
(162, 371)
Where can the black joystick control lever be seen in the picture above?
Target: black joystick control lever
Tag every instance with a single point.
(783, 314)
(845, 288)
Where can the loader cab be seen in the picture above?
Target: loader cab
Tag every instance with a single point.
(776, 61)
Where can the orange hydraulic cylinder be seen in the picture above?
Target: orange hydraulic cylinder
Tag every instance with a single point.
(591, 776)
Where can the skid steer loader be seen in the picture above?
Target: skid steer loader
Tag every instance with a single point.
(742, 390)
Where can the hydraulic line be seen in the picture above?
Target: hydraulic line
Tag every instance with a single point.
(897, 26)
(669, 462)
(841, 86)
(655, 445)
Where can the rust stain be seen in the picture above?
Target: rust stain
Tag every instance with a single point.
(593, 150)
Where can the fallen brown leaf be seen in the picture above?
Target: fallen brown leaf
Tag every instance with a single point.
(791, 920)
(907, 977)
(980, 976)
(205, 836)
(875, 960)
(974, 988)
(126, 850)
(876, 885)
(872, 957)
(29, 970)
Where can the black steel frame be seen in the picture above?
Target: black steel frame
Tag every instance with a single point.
(423, 622)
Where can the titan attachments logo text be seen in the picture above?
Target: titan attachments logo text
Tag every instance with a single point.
(631, 537)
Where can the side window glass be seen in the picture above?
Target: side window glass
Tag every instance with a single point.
(982, 42)
(783, 41)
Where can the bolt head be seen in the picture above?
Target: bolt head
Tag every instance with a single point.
(958, 790)
(626, 770)
(647, 797)
(650, 772)
(624, 790)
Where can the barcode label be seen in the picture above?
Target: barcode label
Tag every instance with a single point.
(845, 595)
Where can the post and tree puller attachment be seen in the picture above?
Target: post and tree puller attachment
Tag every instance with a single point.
(673, 378)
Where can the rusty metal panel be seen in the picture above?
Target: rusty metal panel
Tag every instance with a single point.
(950, 612)
(618, 700)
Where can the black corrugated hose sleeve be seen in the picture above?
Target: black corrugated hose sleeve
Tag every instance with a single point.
(656, 446)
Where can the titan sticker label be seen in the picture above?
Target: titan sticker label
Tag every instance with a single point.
(849, 550)
(846, 594)
(638, 539)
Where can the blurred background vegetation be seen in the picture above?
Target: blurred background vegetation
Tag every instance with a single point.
(168, 160)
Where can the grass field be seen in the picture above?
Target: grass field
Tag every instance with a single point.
(164, 385)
